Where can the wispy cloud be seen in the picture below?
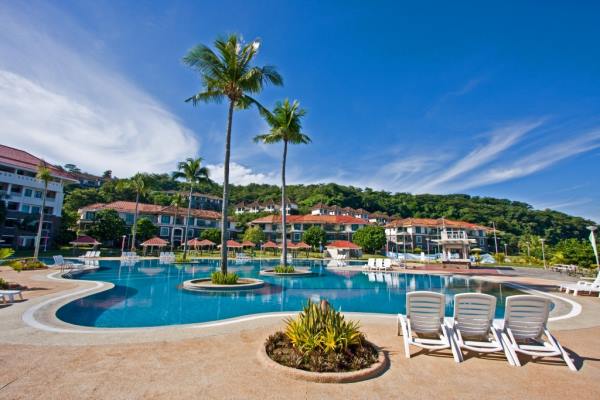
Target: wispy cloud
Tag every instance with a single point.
(500, 140)
(58, 101)
(469, 86)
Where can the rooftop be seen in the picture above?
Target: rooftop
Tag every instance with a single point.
(435, 223)
(24, 160)
(311, 219)
(129, 206)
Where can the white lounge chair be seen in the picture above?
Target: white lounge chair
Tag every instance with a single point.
(59, 262)
(8, 296)
(525, 319)
(86, 255)
(387, 264)
(379, 264)
(425, 317)
(582, 286)
(472, 325)
(370, 265)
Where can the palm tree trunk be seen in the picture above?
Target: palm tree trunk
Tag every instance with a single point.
(283, 210)
(38, 238)
(133, 230)
(173, 228)
(187, 223)
(224, 221)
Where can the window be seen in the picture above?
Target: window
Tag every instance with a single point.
(419, 239)
(165, 219)
(164, 231)
(48, 210)
(35, 210)
(51, 194)
(418, 230)
(297, 237)
(191, 221)
(482, 242)
(354, 227)
(297, 227)
(28, 193)
(12, 206)
(38, 194)
(261, 226)
(16, 189)
(10, 223)
(129, 219)
(25, 208)
(190, 233)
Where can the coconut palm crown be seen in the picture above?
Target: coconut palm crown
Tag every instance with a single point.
(228, 74)
(193, 172)
(286, 125)
(138, 184)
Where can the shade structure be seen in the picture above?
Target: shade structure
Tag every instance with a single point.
(247, 243)
(269, 245)
(303, 246)
(290, 245)
(85, 241)
(155, 242)
(205, 243)
(233, 244)
(343, 244)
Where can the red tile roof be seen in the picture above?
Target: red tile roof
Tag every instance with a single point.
(311, 219)
(85, 240)
(155, 241)
(129, 206)
(22, 159)
(435, 223)
(343, 244)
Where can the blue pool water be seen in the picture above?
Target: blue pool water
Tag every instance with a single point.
(149, 293)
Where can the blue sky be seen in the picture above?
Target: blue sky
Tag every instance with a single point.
(501, 100)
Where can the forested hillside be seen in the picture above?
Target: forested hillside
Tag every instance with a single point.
(513, 218)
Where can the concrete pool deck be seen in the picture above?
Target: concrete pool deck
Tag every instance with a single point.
(219, 360)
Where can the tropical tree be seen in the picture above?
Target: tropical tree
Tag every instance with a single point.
(229, 74)
(44, 175)
(370, 238)
(145, 228)
(107, 226)
(314, 236)
(193, 172)
(212, 234)
(285, 124)
(176, 201)
(138, 184)
(254, 234)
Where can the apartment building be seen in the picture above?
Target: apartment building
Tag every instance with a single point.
(374, 218)
(270, 206)
(337, 227)
(22, 195)
(167, 219)
(202, 201)
(429, 234)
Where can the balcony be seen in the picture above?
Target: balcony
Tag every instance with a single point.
(453, 235)
(8, 177)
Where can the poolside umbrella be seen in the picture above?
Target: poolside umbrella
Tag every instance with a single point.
(205, 243)
(247, 243)
(84, 241)
(270, 245)
(232, 244)
(303, 246)
(154, 242)
(343, 245)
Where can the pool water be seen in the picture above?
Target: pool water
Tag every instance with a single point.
(149, 293)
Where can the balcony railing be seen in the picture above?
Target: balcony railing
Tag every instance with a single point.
(460, 235)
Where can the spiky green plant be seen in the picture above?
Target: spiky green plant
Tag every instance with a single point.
(219, 278)
(320, 327)
(284, 269)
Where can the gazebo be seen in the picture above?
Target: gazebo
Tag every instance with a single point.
(232, 244)
(83, 241)
(247, 243)
(204, 243)
(270, 245)
(303, 246)
(343, 247)
(154, 242)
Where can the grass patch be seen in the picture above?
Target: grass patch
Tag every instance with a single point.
(284, 269)
(321, 340)
(219, 278)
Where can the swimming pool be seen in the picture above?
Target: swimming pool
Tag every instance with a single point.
(149, 293)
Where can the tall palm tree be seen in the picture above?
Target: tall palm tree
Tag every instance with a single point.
(176, 201)
(44, 175)
(286, 125)
(193, 172)
(229, 74)
(137, 183)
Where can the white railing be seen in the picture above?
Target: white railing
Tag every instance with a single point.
(454, 235)
(9, 177)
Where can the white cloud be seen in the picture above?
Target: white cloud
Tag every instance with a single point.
(62, 104)
(242, 175)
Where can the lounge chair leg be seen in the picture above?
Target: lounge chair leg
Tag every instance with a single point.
(406, 337)
(565, 356)
(513, 353)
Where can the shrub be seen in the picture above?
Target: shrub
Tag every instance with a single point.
(219, 278)
(25, 264)
(320, 340)
(370, 238)
(4, 284)
(284, 269)
(319, 326)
